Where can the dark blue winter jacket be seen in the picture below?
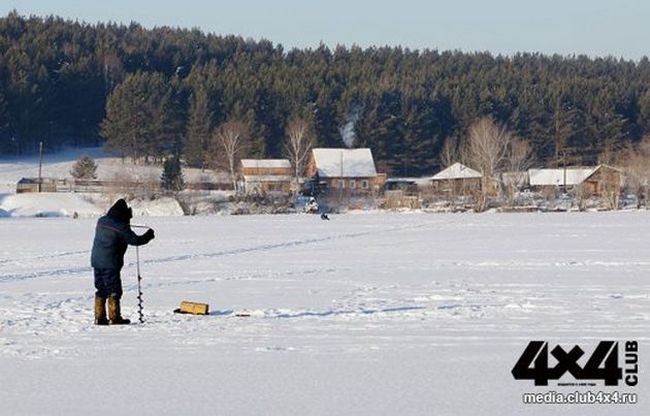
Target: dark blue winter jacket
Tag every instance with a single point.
(112, 236)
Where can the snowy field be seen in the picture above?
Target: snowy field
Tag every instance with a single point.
(58, 164)
(375, 314)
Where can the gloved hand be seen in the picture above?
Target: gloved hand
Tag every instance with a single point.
(149, 235)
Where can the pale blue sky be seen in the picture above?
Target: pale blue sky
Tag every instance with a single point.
(619, 28)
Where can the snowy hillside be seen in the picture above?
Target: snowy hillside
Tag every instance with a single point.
(58, 165)
(374, 314)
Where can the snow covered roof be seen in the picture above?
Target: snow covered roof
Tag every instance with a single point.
(456, 171)
(344, 163)
(267, 178)
(560, 177)
(265, 163)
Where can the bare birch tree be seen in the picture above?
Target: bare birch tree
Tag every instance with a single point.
(486, 149)
(449, 152)
(614, 156)
(519, 159)
(636, 164)
(233, 137)
(448, 156)
(298, 144)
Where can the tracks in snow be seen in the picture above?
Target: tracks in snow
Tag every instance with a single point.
(4, 278)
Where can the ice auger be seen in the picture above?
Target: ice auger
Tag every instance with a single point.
(137, 262)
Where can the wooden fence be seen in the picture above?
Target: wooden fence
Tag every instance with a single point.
(95, 186)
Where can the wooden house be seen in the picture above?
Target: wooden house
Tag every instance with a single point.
(605, 180)
(348, 171)
(457, 179)
(266, 175)
(592, 181)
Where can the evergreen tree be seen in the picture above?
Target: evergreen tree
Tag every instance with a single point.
(84, 168)
(644, 111)
(73, 83)
(172, 175)
(198, 130)
(135, 115)
(170, 120)
(7, 142)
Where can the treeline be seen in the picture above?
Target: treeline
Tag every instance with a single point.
(162, 92)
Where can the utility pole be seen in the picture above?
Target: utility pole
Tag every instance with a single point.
(564, 167)
(341, 181)
(40, 165)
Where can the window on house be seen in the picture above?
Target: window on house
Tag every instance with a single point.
(365, 184)
(341, 184)
(353, 184)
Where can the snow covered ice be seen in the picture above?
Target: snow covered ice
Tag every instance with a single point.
(362, 315)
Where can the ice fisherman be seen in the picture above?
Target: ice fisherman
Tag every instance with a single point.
(112, 236)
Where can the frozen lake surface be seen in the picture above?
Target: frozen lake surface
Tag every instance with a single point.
(365, 314)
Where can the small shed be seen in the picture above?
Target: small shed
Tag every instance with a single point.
(409, 186)
(32, 185)
(605, 180)
(266, 175)
(596, 180)
(457, 179)
(349, 170)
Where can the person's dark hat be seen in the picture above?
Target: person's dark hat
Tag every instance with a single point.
(120, 210)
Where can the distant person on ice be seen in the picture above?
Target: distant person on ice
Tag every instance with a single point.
(311, 206)
(112, 236)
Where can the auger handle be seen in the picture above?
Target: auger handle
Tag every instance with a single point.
(139, 226)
